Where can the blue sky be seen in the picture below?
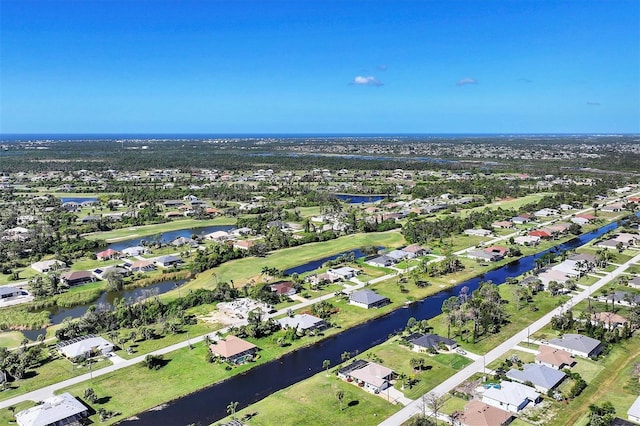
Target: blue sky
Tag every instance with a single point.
(508, 66)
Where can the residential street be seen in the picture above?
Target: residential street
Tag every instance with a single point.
(477, 366)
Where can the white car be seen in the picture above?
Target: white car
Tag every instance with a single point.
(461, 351)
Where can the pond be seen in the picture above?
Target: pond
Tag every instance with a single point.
(57, 315)
(78, 199)
(209, 405)
(357, 199)
(167, 237)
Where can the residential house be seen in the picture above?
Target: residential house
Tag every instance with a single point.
(497, 250)
(527, 240)
(579, 221)
(101, 273)
(577, 344)
(381, 261)
(7, 292)
(233, 349)
(46, 266)
(540, 233)
(368, 375)
(633, 413)
(477, 413)
(59, 410)
(243, 244)
(542, 377)
(304, 322)
(218, 236)
(502, 224)
(482, 255)
(416, 250)
(635, 282)
(72, 278)
(184, 241)
(108, 254)
(520, 220)
(510, 396)
(609, 320)
(168, 261)
(84, 347)
(283, 288)
(345, 272)
(428, 342)
(367, 299)
(546, 213)
(554, 357)
(478, 232)
(613, 208)
(398, 255)
(142, 266)
(134, 251)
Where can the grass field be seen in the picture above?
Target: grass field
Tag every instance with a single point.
(313, 402)
(525, 357)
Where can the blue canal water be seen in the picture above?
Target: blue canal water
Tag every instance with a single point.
(209, 405)
(78, 199)
(57, 315)
(357, 199)
(167, 237)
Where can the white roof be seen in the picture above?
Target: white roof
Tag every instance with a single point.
(51, 411)
(303, 321)
(634, 410)
(83, 346)
(512, 393)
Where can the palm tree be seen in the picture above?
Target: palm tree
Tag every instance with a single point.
(231, 409)
(340, 397)
(325, 365)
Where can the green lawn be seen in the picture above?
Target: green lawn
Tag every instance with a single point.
(313, 402)
(145, 346)
(525, 357)
(52, 371)
(11, 339)
(24, 273)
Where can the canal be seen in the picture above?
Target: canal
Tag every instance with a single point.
(209, 405)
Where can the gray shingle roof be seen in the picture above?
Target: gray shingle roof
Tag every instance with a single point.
(367, 297)
(539, 375)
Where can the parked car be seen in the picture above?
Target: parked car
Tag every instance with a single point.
(461, 351)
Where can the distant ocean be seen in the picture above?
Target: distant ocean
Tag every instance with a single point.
(13, 137)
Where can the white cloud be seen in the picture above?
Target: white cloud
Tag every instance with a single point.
(466, 81)
(366, 81)
(591, 103)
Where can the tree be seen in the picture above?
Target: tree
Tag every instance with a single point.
(345, 355)
(601, 415)
(435, 403)
(326, 364)
(340, 397)
(231, 408)
(449, 307)
(90, 395)
(115, 280)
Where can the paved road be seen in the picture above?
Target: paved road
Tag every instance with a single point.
(477, 367)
